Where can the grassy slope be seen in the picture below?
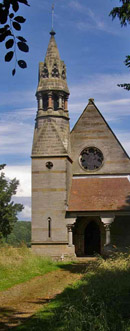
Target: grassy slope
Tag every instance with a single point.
(99, 302)
(18, 265)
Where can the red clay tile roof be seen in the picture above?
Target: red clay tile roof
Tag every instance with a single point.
(99, 194)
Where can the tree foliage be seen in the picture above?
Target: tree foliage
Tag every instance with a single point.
(123, 13)
(20, 234)
(8, 209)
(9, 24)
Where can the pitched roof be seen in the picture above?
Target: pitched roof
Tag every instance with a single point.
(92, 130)
(99, 194)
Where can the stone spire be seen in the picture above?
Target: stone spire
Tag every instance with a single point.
(52, 119)
(52, 53)
(52, 92)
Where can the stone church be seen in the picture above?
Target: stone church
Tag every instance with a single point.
(80, 179)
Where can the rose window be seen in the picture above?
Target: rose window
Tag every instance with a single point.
(91, 158)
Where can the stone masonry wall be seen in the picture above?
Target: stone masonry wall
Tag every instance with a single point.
(49, 196)
(91, 130)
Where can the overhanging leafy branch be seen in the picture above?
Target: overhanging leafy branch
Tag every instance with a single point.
(123, 13)
(10, 23)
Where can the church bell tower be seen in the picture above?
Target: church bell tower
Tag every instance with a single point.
(51, 161)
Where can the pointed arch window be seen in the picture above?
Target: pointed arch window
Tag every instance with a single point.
(55, 71)
(49, 227)
(45, 101)
(63, 103)
(63, 73)
(45, 73)
(56, 101)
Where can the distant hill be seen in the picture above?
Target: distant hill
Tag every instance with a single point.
(21, 234)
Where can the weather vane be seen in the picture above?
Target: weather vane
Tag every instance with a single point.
(52, 15)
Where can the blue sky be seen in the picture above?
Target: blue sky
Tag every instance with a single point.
(93, 48)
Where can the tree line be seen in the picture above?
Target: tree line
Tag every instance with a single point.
(8, 209)
(21, 234)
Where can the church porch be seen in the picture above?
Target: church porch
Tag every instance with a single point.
(90, 234)
(102, 234)
(100, 209)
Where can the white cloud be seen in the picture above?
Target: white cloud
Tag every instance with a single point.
(124, 138)
(15, 138)
(76, 5)
(113, 102)
(95, 24)
(23, 174)
(26, 213)
(91, 21)
(118, 102)
(100, 84)
(117, 108)
(16, 97)
(16, 131)
(25, 113)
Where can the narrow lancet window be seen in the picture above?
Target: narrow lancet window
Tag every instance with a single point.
(56, 101)
(49, 227)
(45, 101)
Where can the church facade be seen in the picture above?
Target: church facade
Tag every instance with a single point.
(80, 179)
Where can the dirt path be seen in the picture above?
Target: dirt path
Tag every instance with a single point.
(23, 300)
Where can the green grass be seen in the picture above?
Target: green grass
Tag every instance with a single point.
(18, 265)
(99, 302)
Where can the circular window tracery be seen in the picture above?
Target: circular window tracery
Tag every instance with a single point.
(91, 158)
(49, 164)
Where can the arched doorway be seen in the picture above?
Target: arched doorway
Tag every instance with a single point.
(92, 239)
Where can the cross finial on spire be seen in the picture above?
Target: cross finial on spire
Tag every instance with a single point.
(52, 33)
(52, 15)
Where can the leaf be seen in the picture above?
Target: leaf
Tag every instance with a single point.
(6, 26)
(8, 33)
(9, 43)
(24, 1)
(4, 35)
(15, 6)
(23, 46)
(21, 39)
(6, 4)
(4, 29)
(16, 26)
(125, 86)
(8, 56)
(22, 64)
(20, 19)
(3, 16)
(13, 72)
(11, 15)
